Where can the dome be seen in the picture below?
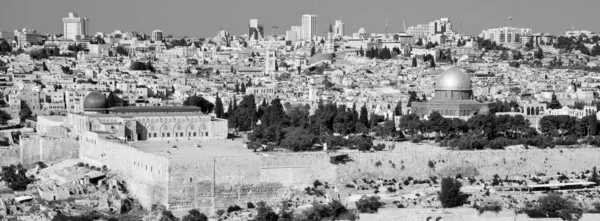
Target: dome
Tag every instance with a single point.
(453, 79)
(95, 100)
(320, 57)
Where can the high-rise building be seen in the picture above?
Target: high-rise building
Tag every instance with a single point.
(338, 28)
(75, 27)
(157, 35)
(255, 30)
(505, 34)
(309, 27)
(298, 30)
(291, 36)
(7, 35)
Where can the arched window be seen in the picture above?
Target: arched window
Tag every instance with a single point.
(203, 126)
(165, 127)
(152, 127)
(178, 127)
(191, 127)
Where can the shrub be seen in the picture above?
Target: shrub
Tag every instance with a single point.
(41, 164)
(15, 177)
(250, 205)
(195, 215)
(450, 195)
(220, 212)
(368, 204)
(233, 208)
(379, 147)
(431, 164)
(553, 205)
(80, 164)
(317, 183)
(493, 206)
(378, 163)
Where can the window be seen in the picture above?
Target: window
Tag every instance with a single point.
(168, 134)
(194, 134)
(181, 134)
(178, 127)
(154, 134)
(190, 179)
(207, 134)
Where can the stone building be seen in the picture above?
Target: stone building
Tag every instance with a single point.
(453, 97)
(145, 123)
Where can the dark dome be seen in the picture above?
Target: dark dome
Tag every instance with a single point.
(95, 100)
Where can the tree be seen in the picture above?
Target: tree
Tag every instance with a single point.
(517, 55)
(398, 109)
(25, 113)
(539, 54)
(554, 103)
(111, 100)
(121, 50)
(15, 177)
(504, 55)
(414, 62)
(450, 195)
(361, 52)
(420, 42)
(298, 139)
(312, 51)
(364, 118)
(204, 105)
(553, 205)
(274, 115)
(4, 117)
(595, 50)
(432, 63)
(368, 204)
(194, 215)
(244, 115)
(219, 111)
(5, 48)
(265, 213)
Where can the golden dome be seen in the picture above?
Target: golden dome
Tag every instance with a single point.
(453, 79)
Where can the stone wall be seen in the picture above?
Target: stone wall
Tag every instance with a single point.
(34, 148)
(146, 174)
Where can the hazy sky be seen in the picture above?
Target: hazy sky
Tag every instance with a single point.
(203, 18)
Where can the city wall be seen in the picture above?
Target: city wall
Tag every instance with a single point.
(212, 183)
(146, 174)
(34, 148)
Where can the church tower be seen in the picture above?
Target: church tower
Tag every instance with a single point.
(270, 60)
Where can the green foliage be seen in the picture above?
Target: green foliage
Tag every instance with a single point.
(121, 50)
(265, 213)
(141, 66)
(233, 208)
(5, 48)
(4, 117)
(219, 110)
(195, 215)
(450, 195)
(15, 177)
(493, 206)
(204, 105)
(368, 204)
(553, 205)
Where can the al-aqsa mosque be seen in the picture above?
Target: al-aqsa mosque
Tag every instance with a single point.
(453, 97)
(144, 123)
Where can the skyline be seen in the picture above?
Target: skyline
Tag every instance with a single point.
(200, 21)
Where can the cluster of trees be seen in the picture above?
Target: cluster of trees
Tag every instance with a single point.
(15, 177)
(141, 66)
(198, 101)
(461, 43)
(489, 45)
(121, 50)
(294, 129)
(5, 47)
(570, 44)
(450, 195)
(555, 206)
(431, 45)
(76, 48)
(384, 53)
(179, 42)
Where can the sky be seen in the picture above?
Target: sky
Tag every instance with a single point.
(204, 18)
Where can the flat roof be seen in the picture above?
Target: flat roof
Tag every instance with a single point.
(188, 148)
(136, 109)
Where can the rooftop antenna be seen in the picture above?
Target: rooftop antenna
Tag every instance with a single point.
(510, 18)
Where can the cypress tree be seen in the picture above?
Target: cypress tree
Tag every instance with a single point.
(363, 118)
(219, 107)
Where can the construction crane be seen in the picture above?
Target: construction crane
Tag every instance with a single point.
(273, 27)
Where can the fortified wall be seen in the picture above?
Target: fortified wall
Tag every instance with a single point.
(209, 183)
(146, 174)
(33, 148)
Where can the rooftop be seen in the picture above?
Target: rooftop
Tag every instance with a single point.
(188, 148)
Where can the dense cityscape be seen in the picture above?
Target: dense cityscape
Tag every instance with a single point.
(315, 124)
